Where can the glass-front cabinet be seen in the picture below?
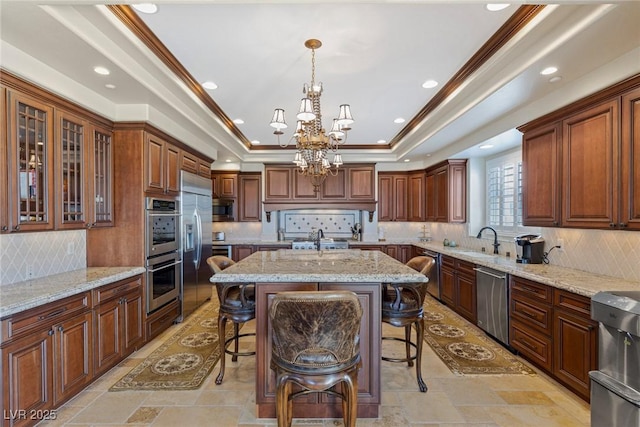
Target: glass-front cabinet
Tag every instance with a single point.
(30, 161)
(70, 174)
(102, 165)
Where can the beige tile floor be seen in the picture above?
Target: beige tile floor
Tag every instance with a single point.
(470, 401)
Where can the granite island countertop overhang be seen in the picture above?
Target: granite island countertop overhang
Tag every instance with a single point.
(328, 266)
(21, 296)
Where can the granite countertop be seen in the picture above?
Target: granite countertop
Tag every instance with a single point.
(333, 266)
(576, 281)
(20, 296)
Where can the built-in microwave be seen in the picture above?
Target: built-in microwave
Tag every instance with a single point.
(222, 210)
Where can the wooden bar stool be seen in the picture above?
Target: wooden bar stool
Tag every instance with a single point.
(316, 345)
(402, 307)
(238, 305)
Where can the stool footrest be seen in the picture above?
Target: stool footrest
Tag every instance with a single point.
(406, 359)
(238, 353)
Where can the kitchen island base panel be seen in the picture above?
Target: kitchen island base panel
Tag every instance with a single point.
(321, 405)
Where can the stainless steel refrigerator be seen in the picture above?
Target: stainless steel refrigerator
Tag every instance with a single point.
(195, 200)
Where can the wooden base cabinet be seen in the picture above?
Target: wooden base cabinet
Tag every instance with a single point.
(458, 287)
(552, 328)
(46, 356)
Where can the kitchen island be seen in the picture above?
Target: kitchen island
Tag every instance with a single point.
(362, 272)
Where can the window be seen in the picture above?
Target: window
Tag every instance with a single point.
(504, 193)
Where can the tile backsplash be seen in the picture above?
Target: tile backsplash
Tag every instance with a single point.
(26, 256)
(611, 253)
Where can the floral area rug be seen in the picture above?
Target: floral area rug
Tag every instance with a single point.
(184, 360)
(465, 348)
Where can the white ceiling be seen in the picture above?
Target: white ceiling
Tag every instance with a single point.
(375, 57)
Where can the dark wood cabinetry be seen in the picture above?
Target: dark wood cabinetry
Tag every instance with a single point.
(192, 163)
(580, 163)
(46, 355)
(118, 322)
(553, 329)
(392, 196)
(162, 163)
(239, 252)
(250, 196)
(416, 192)
(352, 188)
(446, 191)
(224, 185)
(458, 287)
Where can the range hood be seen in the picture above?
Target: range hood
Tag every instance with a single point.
(272, 206)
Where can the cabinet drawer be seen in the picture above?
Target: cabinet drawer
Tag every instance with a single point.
(448, 261)
(530, 289)
(162, 319)
(531, 313)
(44, 316)
(465, 268)
(107, 292)
(532, 345)
(578, 304)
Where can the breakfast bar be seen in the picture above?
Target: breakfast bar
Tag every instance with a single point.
(362, 272)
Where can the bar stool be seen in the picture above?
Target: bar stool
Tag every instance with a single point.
(402, 307)
(316, 345)
(238, 305)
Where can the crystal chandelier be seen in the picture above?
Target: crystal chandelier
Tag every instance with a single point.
(312, 143)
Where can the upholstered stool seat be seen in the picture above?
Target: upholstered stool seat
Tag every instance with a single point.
(316, 345)
(402, 306)
(237, 305)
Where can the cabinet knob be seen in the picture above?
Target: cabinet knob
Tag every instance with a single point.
(612, 224)
(60, 329)
(622, 225)
(16, 228)
(5, 228)
(51, 332)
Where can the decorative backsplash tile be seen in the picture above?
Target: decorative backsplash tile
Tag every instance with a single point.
(333, 224)
(24, 256)
(612, 253)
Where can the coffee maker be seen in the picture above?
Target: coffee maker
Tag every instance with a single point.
(529, 249)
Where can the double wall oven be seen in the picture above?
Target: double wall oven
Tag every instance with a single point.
(163, 260)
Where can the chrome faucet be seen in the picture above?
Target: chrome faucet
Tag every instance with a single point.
(319, 236)
(495, 238)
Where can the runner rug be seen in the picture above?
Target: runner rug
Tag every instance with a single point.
(465, 348)
(184, 360)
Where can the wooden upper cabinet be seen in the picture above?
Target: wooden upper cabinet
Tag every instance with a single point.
(250, 200)
(72, 182)
(30, 160)
(630, 161)
(224, 185)
(446, 191)
(416, 196)
(4, 184)
(101, 172)
(541, 149)
(204, 168)
(361, 182)
(279, 185)
(392, 196)
(303, 189)
(334, 187)
(162, 166)
(191, 163)
(590, 167)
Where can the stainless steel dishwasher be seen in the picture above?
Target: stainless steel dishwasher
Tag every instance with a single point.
(433, 286)
(492, 303)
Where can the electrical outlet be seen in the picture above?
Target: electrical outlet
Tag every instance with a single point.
(561, 244)
(70, 248)
(29, 271)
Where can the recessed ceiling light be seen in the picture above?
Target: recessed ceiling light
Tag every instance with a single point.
(399, 120)
(407, 160)
(494, 7)
(209, 85)
(145, 7)
(228, 160)
(102, 70)
(485, 146)
(381, 141)
(548, 70)
(555, 79)
(429, 84)
(110, 86)
(255, 142)
(238, 121)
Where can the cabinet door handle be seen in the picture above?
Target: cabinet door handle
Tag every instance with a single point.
(53, 313)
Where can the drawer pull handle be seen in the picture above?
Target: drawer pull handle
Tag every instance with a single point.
(53, 313)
